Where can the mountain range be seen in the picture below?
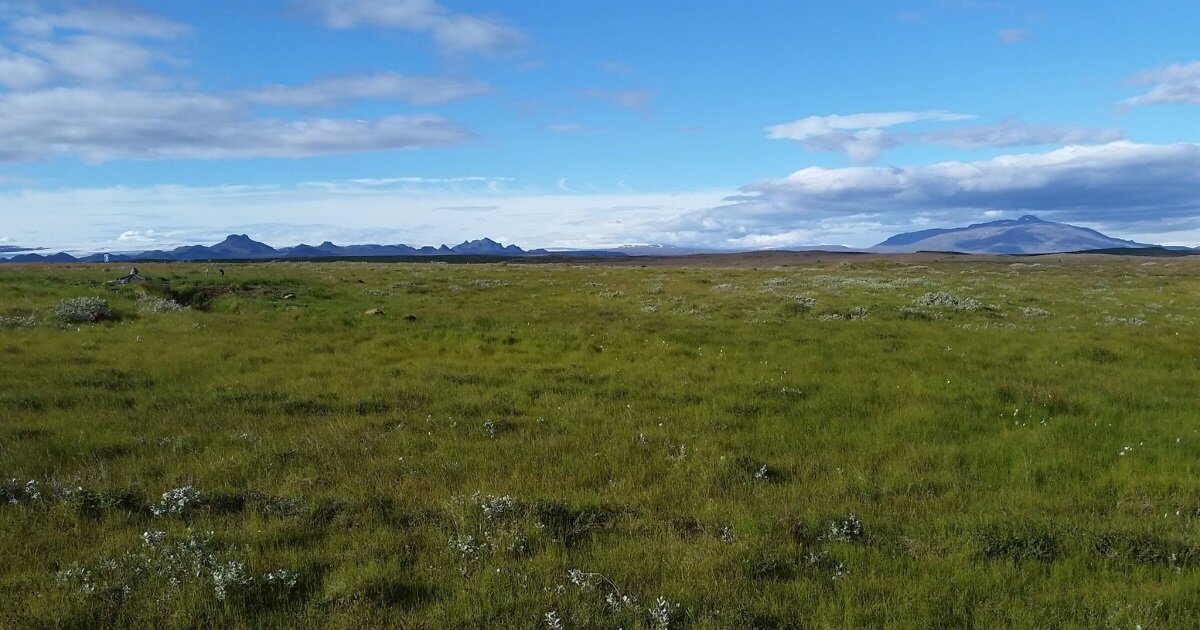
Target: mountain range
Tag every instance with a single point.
(1026, 235)
(672, 250)
(242, 247)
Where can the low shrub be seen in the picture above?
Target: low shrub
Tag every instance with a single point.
(83, 310)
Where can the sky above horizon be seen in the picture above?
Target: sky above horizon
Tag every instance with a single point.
(138, 125)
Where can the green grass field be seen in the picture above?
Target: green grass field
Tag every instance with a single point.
(875, 443)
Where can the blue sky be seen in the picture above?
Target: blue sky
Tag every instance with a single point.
(722, 124)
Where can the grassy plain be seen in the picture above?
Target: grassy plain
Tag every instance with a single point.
(808, 443)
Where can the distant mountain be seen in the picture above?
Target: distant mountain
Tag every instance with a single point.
(480, 247)
(59, 257)
(328, 249)
(1156, 251)
(663, 250)
(1026, 235)
(242, 247)
(825, 248)
(671, 250)
(488, 247)
(235, 246)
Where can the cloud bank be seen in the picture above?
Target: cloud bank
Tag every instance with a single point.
(864, 137)
(393, 210)
(85, 83)
(1146, 192)
(1127, 187)
(860, 136)
(107, 124)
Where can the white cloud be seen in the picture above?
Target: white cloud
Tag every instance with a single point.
(373, 186)
(460, 34)
(814, 126)
(1178, 83)
(454, 33)
(1126, 187)
(863, 137)
(390, 86)
(108, 124)
(1015, 35)
(860, 136)
(117, 22)
(1010, 133)
(137, 238)
(95, 58)
(22, 71)
(90, 44)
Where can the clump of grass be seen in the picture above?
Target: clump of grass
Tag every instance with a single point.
(18, 321)
(15, 491)
(1146, 549)
(177, 502)
(83, 310)
(1098, 354)
(747, 469)
(823, 561)
(1110, 320)
(171, 562)
(1019, 542)
(847, 529)
(86, 502)
(663, 613)
(487, 283)
(948, 301)
(771, 285)
(909, 312)
(497, 508)
(572, 525)
(151, 304)
(853, 314)
(802, 303)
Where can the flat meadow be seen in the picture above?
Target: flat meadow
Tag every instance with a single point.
(857, 442)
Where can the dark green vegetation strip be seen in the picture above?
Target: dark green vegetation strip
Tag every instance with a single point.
(967, 443)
